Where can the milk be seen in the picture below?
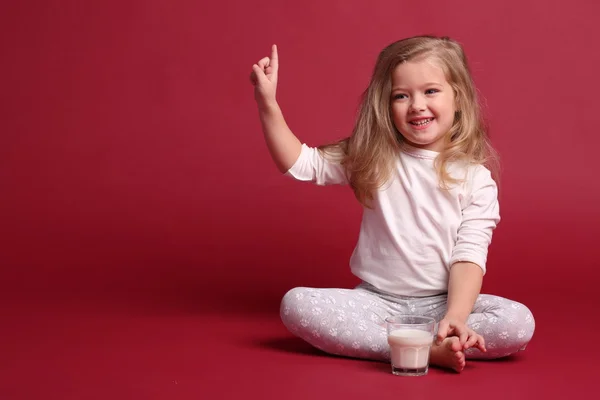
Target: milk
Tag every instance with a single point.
(409, 348)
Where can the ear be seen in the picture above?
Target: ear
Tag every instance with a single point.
(457, 97)
(456, 104)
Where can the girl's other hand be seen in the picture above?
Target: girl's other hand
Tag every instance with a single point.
(264, 79)
(468, 337)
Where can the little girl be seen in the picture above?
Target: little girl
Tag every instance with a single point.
(417, 160)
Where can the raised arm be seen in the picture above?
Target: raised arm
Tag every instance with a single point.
(283, 145)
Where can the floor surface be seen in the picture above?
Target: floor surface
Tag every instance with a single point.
(69, 349)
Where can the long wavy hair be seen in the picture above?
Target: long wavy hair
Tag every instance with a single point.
(370, 153)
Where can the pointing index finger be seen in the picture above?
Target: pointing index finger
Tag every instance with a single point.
(274, 57)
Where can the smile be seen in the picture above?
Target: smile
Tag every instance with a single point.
(421, 122)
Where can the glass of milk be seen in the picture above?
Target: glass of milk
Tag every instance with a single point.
(410, 338)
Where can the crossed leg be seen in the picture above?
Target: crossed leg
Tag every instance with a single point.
(351, 323)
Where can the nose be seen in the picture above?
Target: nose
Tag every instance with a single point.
(418, 104)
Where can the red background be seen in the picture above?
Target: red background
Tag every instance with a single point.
(135, 180)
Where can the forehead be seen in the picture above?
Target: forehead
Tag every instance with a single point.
(417, 72)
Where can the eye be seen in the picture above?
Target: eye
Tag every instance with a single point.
(431, 91)
(399, 96)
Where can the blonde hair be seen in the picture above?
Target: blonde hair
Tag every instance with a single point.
(370, 153)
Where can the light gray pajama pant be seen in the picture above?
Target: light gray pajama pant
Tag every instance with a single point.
(351, 322)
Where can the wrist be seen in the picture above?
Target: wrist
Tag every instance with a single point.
(456, 316)
(268, 107)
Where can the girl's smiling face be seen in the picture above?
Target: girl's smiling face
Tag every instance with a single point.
(422, 103)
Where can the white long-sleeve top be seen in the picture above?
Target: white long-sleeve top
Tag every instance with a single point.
(415, 231)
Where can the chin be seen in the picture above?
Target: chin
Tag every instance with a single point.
(427, 144)
(421, 142)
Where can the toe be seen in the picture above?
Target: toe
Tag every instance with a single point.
(455, 346)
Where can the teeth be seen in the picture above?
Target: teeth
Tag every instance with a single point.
(422, 122)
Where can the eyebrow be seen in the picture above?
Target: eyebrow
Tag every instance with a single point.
(424, 85)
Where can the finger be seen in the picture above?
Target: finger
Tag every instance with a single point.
(442, 332)
(462, 332)
(257, 75)
(481, 343)
(473, 339)
(464, 335)
(263, 63)
(274, 58)
(254, 74)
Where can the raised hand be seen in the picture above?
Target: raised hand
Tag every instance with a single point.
(264, 79)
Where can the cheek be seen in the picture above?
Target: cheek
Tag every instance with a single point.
(445, 109)
(398, 113)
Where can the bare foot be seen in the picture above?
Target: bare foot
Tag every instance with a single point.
(449, 354)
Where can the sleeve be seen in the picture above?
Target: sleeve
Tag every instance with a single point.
(480, 216)
(312, 166)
